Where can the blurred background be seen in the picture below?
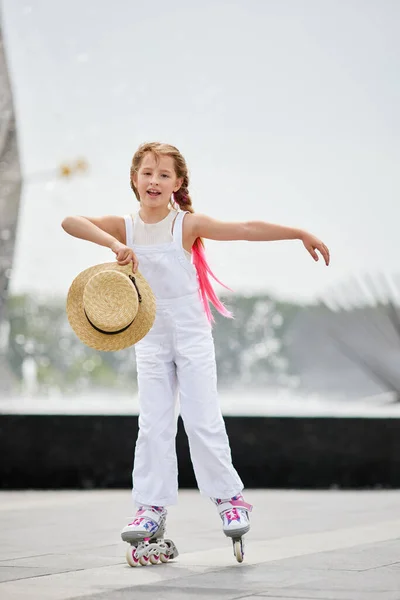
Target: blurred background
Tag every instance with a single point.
(286, 112)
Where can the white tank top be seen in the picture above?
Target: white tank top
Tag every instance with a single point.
(149, 234)
(165, 266)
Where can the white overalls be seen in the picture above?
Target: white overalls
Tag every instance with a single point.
(177, 355)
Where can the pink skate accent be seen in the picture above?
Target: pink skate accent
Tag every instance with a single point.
(236, 501)
(232, 515)
(134, 557)
(242, 504)
(136, 521)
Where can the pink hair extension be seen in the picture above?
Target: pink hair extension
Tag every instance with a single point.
(206, 290)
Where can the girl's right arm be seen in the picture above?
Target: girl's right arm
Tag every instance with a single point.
(106, 231)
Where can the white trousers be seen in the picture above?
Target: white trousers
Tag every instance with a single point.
(176, 361)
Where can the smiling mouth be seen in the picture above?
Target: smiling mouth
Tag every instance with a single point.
(153, 193)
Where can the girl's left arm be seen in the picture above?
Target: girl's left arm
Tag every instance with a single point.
(256, 231)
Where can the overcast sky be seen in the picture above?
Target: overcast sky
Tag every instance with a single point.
(286, 111)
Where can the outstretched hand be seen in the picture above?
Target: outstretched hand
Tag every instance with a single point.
(125, 255)
(312, 244)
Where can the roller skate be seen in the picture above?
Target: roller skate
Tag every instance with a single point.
(234, 513)
(145, 535)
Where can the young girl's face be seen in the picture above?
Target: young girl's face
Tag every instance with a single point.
(156, 180)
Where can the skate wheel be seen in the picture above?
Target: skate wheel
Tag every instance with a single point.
(238, 550)
(154, 559)
(144, 560)
(131, 557)
(164, 558)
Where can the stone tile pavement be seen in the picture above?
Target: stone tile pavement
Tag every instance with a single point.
(320, 545)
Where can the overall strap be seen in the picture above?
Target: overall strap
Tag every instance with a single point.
(178, 227)
(129, 230)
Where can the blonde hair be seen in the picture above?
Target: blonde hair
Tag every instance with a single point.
(184, 201)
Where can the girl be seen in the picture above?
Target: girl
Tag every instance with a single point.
(164, 239)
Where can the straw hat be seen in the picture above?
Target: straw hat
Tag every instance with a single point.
(109, 307)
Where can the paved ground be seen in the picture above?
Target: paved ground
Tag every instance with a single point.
(309, 545)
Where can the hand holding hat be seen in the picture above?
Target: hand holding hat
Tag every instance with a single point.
(124, 255)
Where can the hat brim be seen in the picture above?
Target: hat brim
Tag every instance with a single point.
(102, 341)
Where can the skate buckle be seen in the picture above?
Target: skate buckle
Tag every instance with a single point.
(242, 504)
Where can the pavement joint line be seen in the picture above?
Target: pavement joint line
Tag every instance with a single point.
(42, 575)
(27, 557)
(263, 551)
(379, 567)
(299, 545)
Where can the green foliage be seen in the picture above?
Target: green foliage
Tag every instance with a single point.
(40, 329)
(250, 349)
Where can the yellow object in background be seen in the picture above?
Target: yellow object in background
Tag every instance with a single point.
(78, 166)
